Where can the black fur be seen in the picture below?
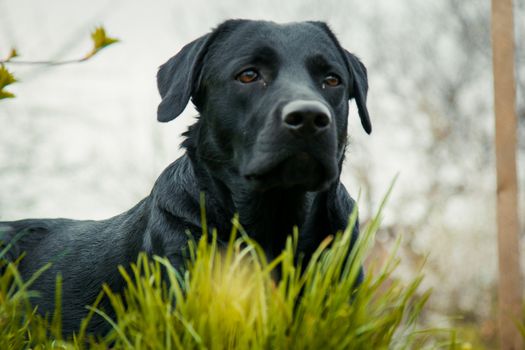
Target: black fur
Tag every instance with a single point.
(241, 153)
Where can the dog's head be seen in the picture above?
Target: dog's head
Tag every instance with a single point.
(273, 101)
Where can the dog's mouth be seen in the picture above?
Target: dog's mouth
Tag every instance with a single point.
(301, 170)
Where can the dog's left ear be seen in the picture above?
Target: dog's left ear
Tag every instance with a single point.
(176, 78)
(359, 89)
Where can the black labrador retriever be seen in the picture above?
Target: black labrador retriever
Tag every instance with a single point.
(268, 145)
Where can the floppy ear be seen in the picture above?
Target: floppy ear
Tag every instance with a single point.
(176, 79)
(359, 89)
(357, 70)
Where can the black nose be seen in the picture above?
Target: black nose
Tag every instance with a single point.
(306, 117)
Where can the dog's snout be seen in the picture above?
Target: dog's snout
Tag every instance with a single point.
(306, 117)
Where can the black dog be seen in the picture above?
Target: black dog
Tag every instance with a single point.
(268, 145)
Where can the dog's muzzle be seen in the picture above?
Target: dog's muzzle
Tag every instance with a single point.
(297, 150)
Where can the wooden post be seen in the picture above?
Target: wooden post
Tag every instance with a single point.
(510, 284)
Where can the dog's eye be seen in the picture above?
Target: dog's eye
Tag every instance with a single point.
(331, 80)
(248, 76)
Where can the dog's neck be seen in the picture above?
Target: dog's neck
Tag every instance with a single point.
(268, 217)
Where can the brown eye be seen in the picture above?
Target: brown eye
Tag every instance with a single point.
(248, 76)
(331, 80)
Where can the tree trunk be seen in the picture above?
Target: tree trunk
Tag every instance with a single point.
(510, 286)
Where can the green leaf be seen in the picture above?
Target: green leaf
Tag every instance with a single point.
(100, 39)
(12, 54)
(6, 78)
(5, 94)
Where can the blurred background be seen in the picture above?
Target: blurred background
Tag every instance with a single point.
(82, 140)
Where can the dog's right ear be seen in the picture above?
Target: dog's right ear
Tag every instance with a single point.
(177, 78)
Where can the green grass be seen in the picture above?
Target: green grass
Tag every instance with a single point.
(229, 299)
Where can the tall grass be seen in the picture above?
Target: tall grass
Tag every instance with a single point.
(230, 298)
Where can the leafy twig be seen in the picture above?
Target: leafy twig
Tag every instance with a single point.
(98, 36)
